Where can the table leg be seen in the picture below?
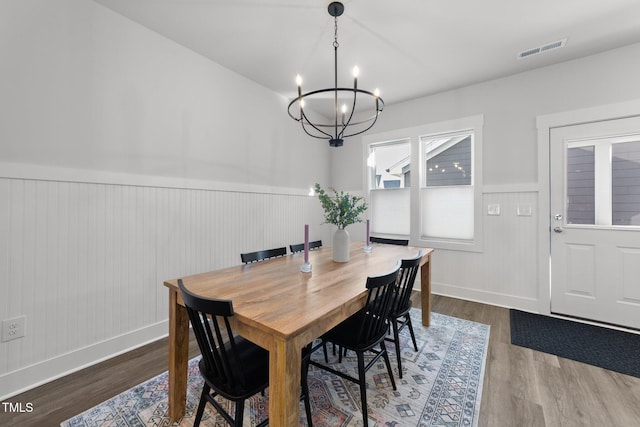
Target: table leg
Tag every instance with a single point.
(284, 384)
(425, 291)
(178, 356)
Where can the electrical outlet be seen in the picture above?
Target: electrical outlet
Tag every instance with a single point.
(13, 328)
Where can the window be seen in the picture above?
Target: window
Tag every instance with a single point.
(390, 167)
(425, 183)
(447, 196)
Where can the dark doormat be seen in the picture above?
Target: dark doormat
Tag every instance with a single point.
(607, 348)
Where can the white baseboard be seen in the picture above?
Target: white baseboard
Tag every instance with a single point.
(485, 297)
(29, 377)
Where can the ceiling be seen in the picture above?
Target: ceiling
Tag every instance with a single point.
(407, 49)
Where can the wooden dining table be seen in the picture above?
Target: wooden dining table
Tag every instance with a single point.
(282, 309)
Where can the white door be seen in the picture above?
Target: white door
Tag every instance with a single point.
(595, 221)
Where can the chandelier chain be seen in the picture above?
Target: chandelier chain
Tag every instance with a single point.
(335, 32)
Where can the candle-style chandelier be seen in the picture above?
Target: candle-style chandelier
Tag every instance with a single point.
(340, 122)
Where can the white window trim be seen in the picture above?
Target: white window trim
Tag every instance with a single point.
(471, 123)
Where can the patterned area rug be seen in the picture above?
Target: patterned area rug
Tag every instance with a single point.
(441, 386)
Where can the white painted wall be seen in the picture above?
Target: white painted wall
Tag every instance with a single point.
(126, 160)
(506, 272)
(85, 88)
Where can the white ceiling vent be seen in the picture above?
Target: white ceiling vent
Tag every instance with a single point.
(541, 49)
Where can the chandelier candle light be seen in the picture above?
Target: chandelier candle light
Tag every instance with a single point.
(343, 124)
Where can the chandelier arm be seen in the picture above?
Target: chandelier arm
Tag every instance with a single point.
(297, 119)
(353, 109)
(304, 119)
(324, 135)
(374, 120)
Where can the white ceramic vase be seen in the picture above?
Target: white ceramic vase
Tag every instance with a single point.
(341, 245)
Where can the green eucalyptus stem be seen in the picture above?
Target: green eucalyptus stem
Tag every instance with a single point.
(341, 209)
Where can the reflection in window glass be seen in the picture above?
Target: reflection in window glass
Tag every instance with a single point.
(580, 186)
(392, 165)
(625, 176)
(448, 161)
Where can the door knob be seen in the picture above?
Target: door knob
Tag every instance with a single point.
(557, 229)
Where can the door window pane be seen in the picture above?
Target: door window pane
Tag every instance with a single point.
(625, 180)
(581, 185)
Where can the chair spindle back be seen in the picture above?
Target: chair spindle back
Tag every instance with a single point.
(210, 322)
(378, 305)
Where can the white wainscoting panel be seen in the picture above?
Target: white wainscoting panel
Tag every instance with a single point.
(505, 273)
(85, 262)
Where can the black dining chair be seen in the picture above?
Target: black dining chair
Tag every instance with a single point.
(264, 254)
(362, 333)
(384, 240)
(231, 366)
(299, 247)
(399, 316)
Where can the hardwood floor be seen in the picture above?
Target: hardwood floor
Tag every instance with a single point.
(63, 398)
(521, 387)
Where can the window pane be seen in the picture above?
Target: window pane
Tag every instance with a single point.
(447, 213)
(580, 186)
(390, 212)
(447, 198)
(392, 165)
(625, 171)
(448, 161)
